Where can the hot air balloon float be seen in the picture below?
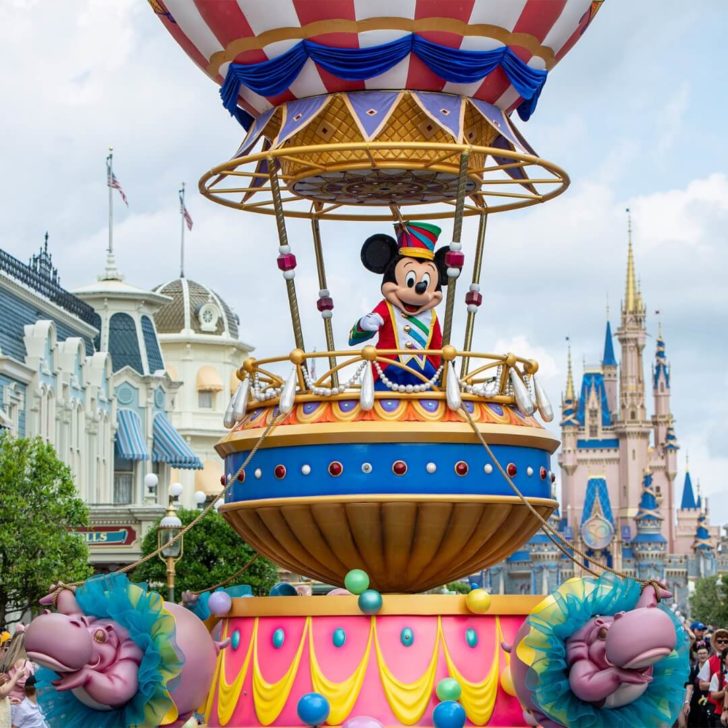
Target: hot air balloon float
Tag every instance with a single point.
(406, 461)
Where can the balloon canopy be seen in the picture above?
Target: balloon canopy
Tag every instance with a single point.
(266, 52)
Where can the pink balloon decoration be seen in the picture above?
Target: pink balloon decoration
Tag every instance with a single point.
(362, 721)
(339, 592)
(219, 603)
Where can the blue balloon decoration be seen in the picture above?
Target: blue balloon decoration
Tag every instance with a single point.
(449, 714)
(407, 637)
(339, 637)
(471, 637)
(283, 589)
(235, 639)
(313, 708)
(370, 601)
(474, 585)
(279, 637)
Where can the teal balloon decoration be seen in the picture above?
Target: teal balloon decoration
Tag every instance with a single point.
(283, 589)
(279, 637)
(449, 714)
(471, 637)
(370, 601)
(339, 637)
(356, 581)
(235, 639)
(407, 637)
(313, 708)
(449, 689)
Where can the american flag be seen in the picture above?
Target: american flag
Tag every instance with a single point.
(183, 209)
(112, 182)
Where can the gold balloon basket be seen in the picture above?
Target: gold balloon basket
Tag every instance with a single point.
(395, 483)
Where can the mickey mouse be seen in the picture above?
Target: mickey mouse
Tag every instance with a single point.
(412, 279)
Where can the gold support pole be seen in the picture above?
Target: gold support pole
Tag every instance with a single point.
(477, 268)
(171, 573)
(283, 240)
(321, 271)
(456, 234)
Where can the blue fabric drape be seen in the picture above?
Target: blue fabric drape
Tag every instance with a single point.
(274, 76)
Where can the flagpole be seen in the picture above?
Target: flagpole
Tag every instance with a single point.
(109, 172)
(182, 231)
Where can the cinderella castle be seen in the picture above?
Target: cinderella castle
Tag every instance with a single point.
(622, 503)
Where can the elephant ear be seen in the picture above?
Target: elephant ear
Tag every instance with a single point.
(378, 252)
(441, 265)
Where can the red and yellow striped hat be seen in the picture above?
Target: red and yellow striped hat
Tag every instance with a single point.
(417, 239)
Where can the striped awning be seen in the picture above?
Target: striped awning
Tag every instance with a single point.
(169, 447)
(130, 444)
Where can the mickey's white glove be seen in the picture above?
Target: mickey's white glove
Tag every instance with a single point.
(371, 322)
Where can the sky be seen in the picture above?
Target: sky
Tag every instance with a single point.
(636, 114)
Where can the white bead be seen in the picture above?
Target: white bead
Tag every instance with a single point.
(452, 272)
(472, 308)
(258, 473)
(343, 388)
(324, 293)
(456, 246)
(396, 387)
(289, 275)
(431, 467)
(306, 469)
(327, 314)
(229, 477)
(284, 249)
(475, 287)
(409, 388)
(529, 471)
(366, 468)
(488, 468)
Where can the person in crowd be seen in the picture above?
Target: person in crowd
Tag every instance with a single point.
(717, 688)
(719, 642)
(7, 683)
(697, 711)
(28, 714)
(698, 633)
(15, 660)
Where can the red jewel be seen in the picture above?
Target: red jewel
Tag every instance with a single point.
(511, 469)
(286, 261)
(543, 473)
(335, 468)
(325, 303)
(461, 467)
(553, 477)
(399, 467)
(473, 297)
(279, 471)
(241, 476)
(454, 259)
(223, 480)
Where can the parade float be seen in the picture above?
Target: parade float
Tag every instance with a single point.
(405, 461)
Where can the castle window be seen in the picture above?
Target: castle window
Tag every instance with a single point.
(205, 400)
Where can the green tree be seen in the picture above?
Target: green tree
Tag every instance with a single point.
(40, 508)
(709, 602)
(213, 551)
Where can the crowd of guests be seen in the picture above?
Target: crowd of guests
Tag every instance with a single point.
(706, 702)
(18, 702)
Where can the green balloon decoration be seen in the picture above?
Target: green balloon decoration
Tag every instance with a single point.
(356, 581)
(449, 689)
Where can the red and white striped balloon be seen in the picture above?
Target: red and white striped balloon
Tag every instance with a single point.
(215, 33)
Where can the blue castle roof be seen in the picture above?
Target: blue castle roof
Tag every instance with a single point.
(597, 499)
(608, 359)
(688, 496)
(702, 535)
(661, 366)
(594, 381)
(649, 508)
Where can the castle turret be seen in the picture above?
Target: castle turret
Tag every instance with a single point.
(632, 427)
(649, 545)
(703, 547)
(569, 436)
(597, 522)
(661, 392)
(609, 368)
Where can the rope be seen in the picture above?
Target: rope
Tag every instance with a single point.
(240, 571)
(58, 587)
(553, 535)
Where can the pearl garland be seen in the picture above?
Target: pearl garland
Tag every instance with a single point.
(328, 391)
(423, 387)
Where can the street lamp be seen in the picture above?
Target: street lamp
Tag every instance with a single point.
(200, 498)
(150, 483)
(169, 527)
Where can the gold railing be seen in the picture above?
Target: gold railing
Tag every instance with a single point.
(489, 380)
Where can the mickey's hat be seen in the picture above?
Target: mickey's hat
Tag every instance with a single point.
(417, 239)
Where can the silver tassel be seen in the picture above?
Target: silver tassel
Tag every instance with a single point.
(542, 402)
(240, 401)
(366, 395)
(288, 393)
(523, 398)
(229, 419)
(452, 388)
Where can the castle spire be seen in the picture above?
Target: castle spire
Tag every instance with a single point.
(631, 294)
(570, 392)
(608, 359)
(688, 496)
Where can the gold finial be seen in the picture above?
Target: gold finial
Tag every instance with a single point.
(631, 295)
(570, 394)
